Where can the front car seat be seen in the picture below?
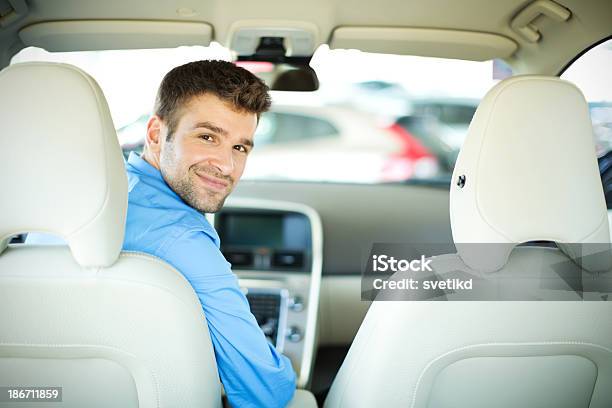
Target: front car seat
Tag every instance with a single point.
(527, 171)
(113, 329)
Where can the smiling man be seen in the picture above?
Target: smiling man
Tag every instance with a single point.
(196, 147)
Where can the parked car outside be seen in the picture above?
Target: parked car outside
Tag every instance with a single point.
(441, 124)
(321, 143)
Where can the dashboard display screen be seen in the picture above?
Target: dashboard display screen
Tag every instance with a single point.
(273, 230)
(265, 240)
(253, 230)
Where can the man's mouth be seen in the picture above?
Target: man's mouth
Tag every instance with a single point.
(213, 183)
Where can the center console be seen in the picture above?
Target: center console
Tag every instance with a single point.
(275, 249)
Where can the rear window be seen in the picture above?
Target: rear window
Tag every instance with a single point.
(285, 127)
(376, 117)
(592, 72)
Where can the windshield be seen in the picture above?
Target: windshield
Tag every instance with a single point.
(375, 118)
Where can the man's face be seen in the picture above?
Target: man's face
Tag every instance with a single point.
(206, 155)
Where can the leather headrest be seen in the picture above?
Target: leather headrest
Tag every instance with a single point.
(61, 165)
(527, 171)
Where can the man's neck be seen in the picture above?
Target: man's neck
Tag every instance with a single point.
(146, 156)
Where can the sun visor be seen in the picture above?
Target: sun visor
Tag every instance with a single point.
(90, 35)
(426, 42)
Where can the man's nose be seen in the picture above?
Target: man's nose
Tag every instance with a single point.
(223, 160)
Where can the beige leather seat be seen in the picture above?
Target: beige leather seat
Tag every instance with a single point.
(530, 174)
(113, 329)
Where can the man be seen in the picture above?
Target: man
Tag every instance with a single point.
(196, 147)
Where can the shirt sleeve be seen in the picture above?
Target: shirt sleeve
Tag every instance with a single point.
(253, 373)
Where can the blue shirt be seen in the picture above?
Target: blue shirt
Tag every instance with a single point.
(159, 223)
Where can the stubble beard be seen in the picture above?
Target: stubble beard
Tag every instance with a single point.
(187, 186)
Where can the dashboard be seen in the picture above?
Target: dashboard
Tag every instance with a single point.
(275, 248)
(263, 239)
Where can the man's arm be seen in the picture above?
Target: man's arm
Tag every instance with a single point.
(253, 373)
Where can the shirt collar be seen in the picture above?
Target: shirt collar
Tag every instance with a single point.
(140, 165)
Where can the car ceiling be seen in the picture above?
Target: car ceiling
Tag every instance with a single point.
(589, 23)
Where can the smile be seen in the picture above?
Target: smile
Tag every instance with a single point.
(213, 183)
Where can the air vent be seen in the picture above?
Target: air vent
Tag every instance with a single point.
(239, 258)
(288, 259)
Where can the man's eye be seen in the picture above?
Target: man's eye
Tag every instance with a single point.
(208, 138)
(240, 148)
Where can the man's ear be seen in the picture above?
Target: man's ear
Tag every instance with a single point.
(154, 140)
(154, 136)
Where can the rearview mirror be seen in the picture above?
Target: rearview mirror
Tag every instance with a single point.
(294, 76)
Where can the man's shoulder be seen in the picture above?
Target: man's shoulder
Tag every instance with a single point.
(141, 190)
(153, 227)
(155, 221)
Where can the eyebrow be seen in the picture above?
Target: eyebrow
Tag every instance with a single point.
(214, 128)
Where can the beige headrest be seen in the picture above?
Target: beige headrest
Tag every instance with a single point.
(529, 171)
(61, 165)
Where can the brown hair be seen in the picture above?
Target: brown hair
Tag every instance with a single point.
(228, 82)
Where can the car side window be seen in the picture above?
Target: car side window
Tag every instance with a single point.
(592, 73)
